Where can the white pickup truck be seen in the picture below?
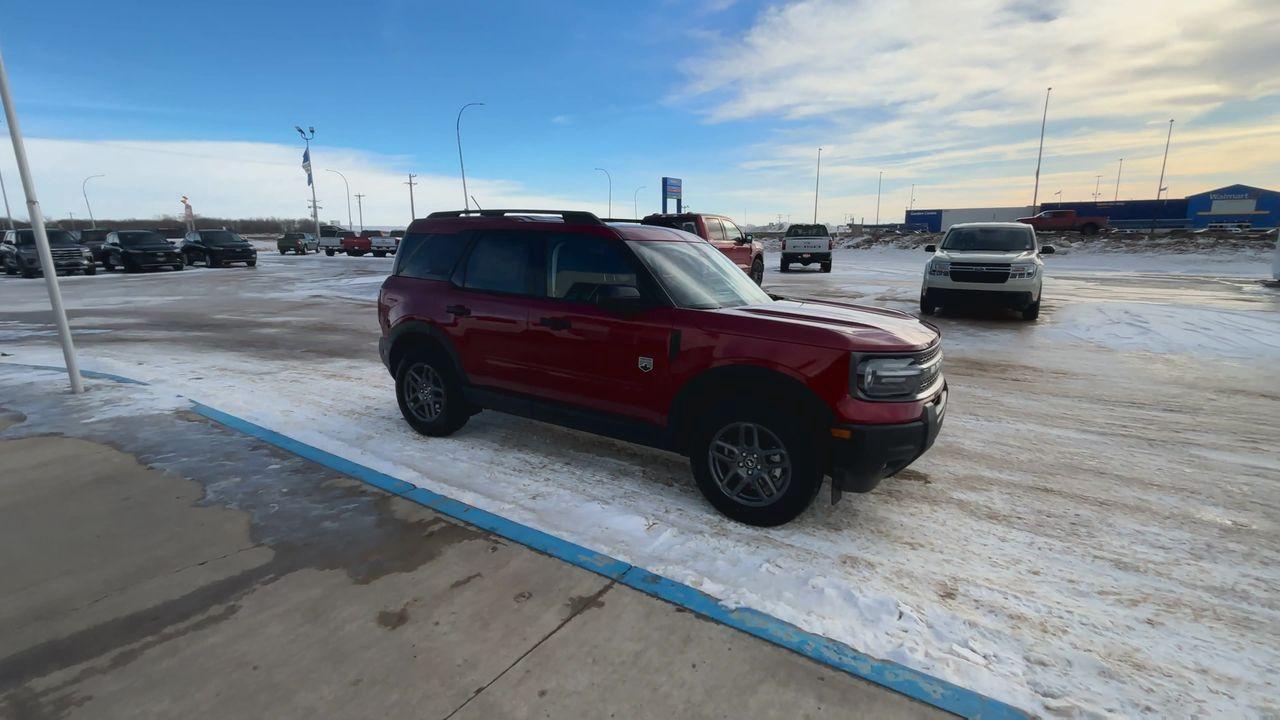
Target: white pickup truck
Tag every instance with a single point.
(331, 239)
(806, 244)
(381, 244)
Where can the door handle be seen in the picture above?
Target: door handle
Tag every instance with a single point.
(555, 323)
(459, 310)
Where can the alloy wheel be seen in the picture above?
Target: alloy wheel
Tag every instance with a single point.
(749, 464)
(424, 392)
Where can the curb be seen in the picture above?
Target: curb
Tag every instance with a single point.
(899, 678)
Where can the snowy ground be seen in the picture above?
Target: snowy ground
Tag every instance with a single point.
(1094, 533)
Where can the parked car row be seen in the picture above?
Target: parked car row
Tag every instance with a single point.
(127, 250)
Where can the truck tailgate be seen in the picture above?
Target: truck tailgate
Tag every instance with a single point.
(805, 244)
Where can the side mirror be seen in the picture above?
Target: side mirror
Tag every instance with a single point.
(1047, 250)
(748, 238)
(619, 299)
(931, 248)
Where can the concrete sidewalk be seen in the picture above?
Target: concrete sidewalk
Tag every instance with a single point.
(159, 565)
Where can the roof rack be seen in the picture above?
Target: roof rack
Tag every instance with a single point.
(569, 216)
(624, 220)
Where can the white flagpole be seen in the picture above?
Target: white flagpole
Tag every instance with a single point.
(42, 239)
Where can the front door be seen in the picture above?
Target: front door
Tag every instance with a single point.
(739, 253)
(583, 355)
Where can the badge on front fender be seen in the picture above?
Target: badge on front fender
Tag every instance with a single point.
(645, 364)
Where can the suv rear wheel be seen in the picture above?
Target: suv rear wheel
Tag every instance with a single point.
(429, 394)
(759, 468)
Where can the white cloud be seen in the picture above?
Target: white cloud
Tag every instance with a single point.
(242, 179)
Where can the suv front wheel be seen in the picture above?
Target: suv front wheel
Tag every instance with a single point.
(755, 467)
(429, 394)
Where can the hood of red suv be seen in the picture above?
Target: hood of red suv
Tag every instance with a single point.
(857, 328)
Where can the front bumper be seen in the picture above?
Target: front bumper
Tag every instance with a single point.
(150, 260)
(1013, 299)
(871, 453)
(62, 266)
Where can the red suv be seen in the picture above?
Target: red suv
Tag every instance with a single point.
(650, 335)
(722, 232)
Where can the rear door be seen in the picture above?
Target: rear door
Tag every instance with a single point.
(582, 355)
(491, 316)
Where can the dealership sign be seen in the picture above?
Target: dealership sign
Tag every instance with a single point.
(672, 188)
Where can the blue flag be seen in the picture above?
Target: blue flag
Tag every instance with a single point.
(306, 163)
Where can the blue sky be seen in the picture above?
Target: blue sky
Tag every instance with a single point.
(733, 96)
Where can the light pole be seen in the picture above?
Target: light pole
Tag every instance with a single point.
(348, 187)
(1035, 196)
(606, 174)
(817, 177)
(1160, 186)
(1117, 197)
(413, 214)
(634, 206)
(7, 214)
(466, 198)
(879, 184)
(1097, 181)
(92, 222)
(912, 205)
(41, 237)
(71, 218)
(306, 165)
(360, 209)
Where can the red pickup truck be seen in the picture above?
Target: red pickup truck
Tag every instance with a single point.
(721, 232)
(652, 335)
(355, 245)
(1065, 221)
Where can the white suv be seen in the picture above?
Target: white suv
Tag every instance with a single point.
(995, 262)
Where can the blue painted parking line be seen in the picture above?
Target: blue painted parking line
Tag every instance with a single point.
(912, 683)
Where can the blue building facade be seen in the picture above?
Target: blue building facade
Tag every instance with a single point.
(1237, 205)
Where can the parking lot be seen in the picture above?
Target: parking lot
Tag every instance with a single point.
(1094, 531)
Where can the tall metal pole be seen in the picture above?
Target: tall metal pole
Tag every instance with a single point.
(635, 211)
(1118, 170)
(606, 174)
(42, 238)
(912, 205)
(1097, 181)
(879, 184)
(413, 214)
(7, 214)
(1160, 185)
(350, 225)
(93, 223)
(315, 208)
(816, 179)
(360, 209)
(466, 198)
(1035, 196)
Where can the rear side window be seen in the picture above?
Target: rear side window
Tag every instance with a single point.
(502, 262)
(430, 257)
(715, 231)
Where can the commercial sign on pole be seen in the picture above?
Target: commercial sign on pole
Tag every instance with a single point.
(673, 189)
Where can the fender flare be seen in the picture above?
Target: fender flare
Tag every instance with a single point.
(411, 332)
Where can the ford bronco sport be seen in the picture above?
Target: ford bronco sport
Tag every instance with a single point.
(649, 334)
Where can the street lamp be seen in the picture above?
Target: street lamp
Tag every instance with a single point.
(306, 163)
(634, 203)
(817, 177)
(7, 214)
(1118, 170)
(466, 198)
(879, 184)
(1097, 181)
(92, 222)
(350, 226)
(606, 174)
(1035, 195)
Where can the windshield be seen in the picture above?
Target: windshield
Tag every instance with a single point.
(138, 238)
(998, 239)
(698, 276)
(220, 238)
(56, 237)
(807, 231)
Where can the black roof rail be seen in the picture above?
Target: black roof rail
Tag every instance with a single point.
(625, 220)
(569, 216)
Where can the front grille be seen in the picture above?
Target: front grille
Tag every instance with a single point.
(931, 362)
(65, 254)
(979, 273)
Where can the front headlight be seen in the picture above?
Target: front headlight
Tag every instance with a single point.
(890, 378)
(939, 267)
(84, 252)
(1022, 271)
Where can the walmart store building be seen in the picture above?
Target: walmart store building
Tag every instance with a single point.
(1241, 205)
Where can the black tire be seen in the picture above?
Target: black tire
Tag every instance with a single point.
(379, 253)
(757, 271)
(251, 263)
(188, 259)
(107, 265)
(798, 441)
(784, 266)
(927, 306)
(211, 260)
(91, 270)
(129, 266)
(826, 266)
(1089, 229)
(180, 266)
(283, 251)
(328, 252)
(1031, 312)
(451, 410)
(27, 272)
(9, 269)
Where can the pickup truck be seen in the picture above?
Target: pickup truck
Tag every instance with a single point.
(380, 243)
(355, 245)
(331, 239)
(806, 244)
(1065, 221)
(721, 232)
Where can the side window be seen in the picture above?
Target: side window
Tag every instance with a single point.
(689, 227)
(715, 231)
(502, 262)
(430, 256)
(731, 231)
(578, 266)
